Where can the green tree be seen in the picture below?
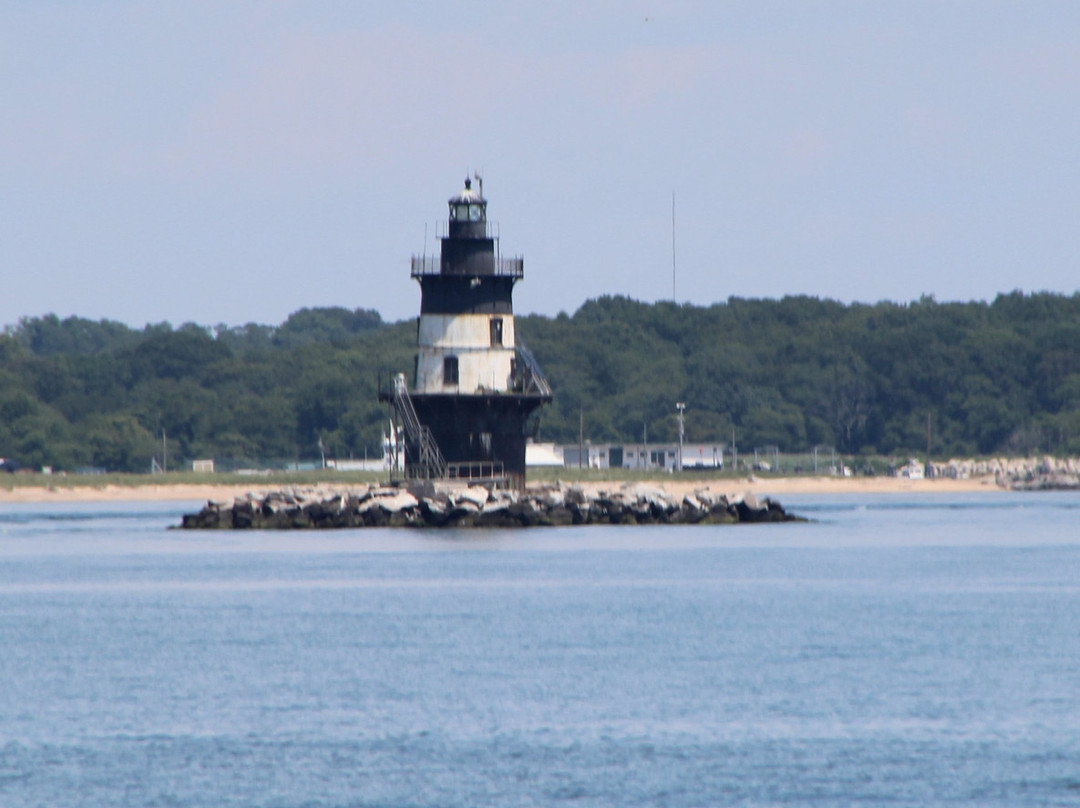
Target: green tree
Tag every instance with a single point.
(119, 442)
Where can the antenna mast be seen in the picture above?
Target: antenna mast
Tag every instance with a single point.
(673, 296)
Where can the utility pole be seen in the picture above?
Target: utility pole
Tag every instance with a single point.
(645, 444)
(164, 452)
(681, 407)
(928, 444)
(580, 435)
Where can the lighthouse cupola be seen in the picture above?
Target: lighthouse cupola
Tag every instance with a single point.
(468, 245)
(468, 213)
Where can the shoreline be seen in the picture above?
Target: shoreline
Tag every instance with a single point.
(771, 487)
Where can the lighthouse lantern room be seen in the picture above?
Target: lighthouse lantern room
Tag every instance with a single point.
(475, 385)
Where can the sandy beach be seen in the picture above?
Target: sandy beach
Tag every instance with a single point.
(778, 486)
(774, 487)
(126, 493)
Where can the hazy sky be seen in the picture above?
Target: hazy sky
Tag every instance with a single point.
(234, 161)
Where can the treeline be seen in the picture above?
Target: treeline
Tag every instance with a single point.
(793, 373)
(76, 393)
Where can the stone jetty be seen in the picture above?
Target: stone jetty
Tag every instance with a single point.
(1039, 474)
(1044, 473)
(429, 505)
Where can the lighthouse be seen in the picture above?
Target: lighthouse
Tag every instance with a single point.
(475, 387)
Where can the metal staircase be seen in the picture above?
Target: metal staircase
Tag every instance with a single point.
(431, 463)
(532, 377)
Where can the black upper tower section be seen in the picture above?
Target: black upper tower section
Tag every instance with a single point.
(469, 276)
(468, 248)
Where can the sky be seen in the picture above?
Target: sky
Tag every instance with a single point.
(226, 163)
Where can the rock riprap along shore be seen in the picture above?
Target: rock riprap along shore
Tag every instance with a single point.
(428, 505)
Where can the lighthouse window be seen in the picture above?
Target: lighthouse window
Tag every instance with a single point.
(450, 370)
(466, 213)
(496, 331)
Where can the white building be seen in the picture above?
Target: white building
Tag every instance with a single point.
(665, 456)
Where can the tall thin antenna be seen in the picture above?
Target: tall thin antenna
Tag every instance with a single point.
(673, 296)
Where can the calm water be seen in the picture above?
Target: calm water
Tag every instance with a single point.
(903, 650)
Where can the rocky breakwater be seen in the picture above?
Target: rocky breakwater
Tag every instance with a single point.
(1040, 474)
(433, 506)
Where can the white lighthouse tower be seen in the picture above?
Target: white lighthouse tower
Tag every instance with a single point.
(466, 333)
(475, 386)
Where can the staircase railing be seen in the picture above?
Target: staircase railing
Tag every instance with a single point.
(431, 463)
(532, 377)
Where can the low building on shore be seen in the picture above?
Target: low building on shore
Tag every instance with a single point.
(644, 456)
